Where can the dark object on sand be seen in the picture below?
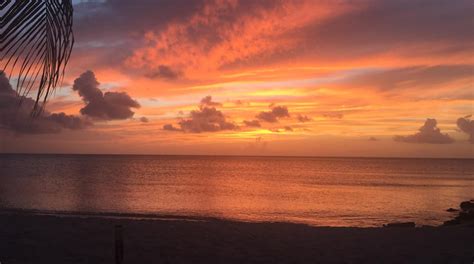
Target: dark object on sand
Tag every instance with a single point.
(118, 244)
(467, 205)
(465, 216)
(451, 210)
(402, 224)
(451, 222)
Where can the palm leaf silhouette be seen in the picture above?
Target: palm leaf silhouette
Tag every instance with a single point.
(36, 40)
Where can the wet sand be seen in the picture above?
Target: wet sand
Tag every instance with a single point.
(30, 238)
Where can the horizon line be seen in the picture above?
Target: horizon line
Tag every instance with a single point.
(232, 155)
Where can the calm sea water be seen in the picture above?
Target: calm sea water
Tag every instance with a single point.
(315, 191)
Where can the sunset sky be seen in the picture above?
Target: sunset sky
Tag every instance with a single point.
(302, 77)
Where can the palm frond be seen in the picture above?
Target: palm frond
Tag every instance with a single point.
(36, 42)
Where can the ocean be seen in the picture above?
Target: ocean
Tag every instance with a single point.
(361, 192)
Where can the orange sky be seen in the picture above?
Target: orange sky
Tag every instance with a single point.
(352, 75)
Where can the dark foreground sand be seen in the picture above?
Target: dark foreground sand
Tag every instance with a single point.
(27, 238)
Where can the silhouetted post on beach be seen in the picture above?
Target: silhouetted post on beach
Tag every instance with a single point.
(118, 244)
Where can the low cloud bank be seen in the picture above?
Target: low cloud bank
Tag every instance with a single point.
(206, 119)
(15, 114)
(428, 133)
(276, 113)
(466, 125)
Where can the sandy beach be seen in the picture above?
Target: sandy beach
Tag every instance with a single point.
(31, 238)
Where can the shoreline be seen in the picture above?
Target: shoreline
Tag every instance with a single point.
(108, 215)
(171, 217)
(30, 238)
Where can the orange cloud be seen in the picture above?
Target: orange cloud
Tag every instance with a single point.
(226, 33)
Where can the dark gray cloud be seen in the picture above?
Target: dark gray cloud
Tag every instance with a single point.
(144, 119)
(252, 123)
(15, 114)
(303, 118)
(466, 125)
(164, 72)
(170, 127)
(114, 20)
(428, 133)
(105, 106)
(207, 101)
(288, 128)
(373, 139)
(206, 119)
(276, 113)
(68, 121)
